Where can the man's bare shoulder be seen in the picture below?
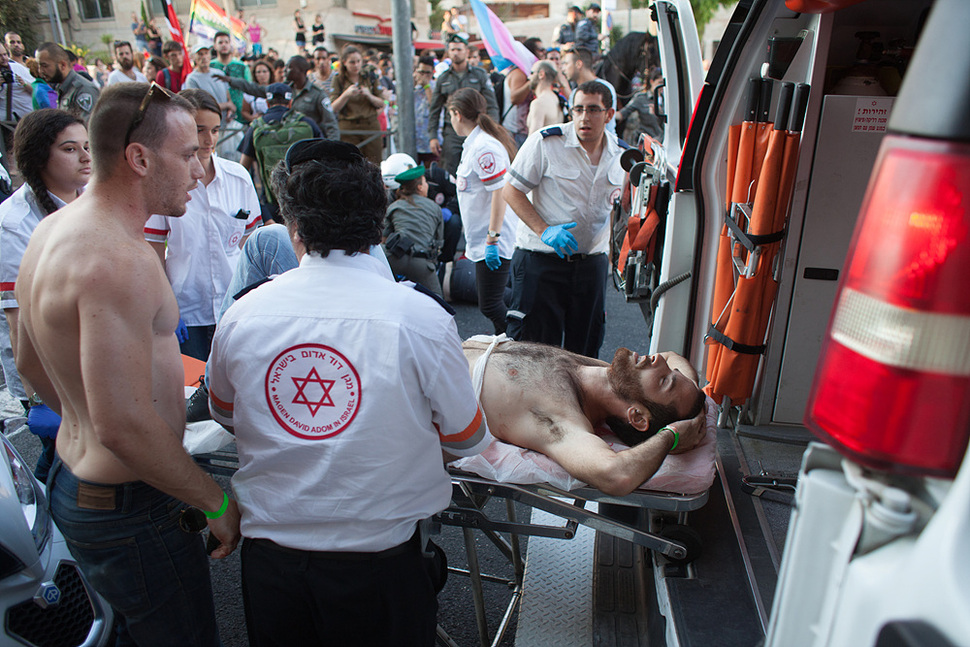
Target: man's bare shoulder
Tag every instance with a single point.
(93, 250)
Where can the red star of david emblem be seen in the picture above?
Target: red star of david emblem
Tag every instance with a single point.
(487, 162)
(301, 397)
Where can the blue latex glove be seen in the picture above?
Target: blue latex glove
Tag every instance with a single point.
(446, 214)
(492, 260)
(557, 237)
(182, 332)
(42, 421)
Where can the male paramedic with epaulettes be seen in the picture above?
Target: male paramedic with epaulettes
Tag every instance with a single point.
(559, 266)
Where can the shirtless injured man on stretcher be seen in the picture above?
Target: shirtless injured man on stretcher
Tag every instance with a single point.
(551, 401)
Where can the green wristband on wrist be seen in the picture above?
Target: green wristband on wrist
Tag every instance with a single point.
(676, 436)
(222, 510)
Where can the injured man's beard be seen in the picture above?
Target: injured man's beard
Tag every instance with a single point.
(625, 382)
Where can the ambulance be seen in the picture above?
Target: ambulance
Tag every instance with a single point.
(811, 257)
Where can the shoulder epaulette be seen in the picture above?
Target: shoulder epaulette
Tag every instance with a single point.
(441, 302)
(551, 131)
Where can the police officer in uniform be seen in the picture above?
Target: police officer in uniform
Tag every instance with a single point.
(75, 94)
(459, 75)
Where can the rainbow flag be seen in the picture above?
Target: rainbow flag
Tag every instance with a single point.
(502, 48)
(206, 18)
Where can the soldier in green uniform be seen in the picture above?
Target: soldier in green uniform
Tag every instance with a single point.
(459, 75)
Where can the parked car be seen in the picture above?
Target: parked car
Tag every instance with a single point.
(44, 598)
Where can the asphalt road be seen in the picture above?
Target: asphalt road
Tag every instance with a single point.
(625, 328)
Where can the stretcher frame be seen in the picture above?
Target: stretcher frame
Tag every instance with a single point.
(470, 494)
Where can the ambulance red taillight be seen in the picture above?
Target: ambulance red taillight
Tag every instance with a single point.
(892, 387)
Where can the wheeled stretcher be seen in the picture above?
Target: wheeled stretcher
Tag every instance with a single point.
(521, 476)
(680, 486)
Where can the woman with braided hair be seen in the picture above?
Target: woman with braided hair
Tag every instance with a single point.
(53, 156)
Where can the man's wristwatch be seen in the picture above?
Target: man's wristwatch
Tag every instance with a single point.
(494, 234)
(34, 400)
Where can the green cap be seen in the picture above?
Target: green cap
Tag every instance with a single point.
(410, 174)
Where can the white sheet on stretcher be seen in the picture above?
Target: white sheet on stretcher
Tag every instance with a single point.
(204, 437)
(688, 473)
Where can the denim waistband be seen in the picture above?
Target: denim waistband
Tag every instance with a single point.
(93, 495)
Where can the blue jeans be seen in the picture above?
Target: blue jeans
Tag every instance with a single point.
(199, 342)
(127, 541)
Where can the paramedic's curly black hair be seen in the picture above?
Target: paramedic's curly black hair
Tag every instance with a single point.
(335, 203)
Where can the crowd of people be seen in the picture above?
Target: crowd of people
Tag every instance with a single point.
(506, 204)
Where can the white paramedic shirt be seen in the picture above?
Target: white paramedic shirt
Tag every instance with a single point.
(22, 92)
(204, 244)
(483, 167)
(19, 216)
(342, 388)
(565, 187)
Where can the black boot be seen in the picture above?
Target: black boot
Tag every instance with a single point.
(197, 406)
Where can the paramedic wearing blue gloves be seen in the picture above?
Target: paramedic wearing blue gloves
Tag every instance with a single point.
(343, 389)
(559, 267)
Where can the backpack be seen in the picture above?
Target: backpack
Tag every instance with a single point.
(271, 141)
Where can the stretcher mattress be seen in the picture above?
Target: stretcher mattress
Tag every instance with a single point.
(688, 473)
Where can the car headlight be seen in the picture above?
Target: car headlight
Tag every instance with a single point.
(30, 493)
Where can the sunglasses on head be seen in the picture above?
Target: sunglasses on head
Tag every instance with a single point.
(318, 149)
(153, 90)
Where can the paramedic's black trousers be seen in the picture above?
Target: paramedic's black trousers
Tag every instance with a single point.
(293, 597)
(559, 301)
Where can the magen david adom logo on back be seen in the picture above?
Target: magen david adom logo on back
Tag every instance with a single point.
(313, 391)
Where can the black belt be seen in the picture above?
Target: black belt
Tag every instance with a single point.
(572, 258)
(411, 545)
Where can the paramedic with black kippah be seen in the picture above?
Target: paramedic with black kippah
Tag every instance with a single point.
(343, 389)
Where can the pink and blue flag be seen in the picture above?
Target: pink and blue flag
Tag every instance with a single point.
(502, 48)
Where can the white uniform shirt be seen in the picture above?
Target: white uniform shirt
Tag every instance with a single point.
(342, 388)
(482, 170)
(611, 124)
(22, 93)
(203, 245)
(19, 216)
(567, 188)
(117, 76)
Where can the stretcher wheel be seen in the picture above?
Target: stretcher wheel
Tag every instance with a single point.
(636, 171)
(686, 536)
(630, 157)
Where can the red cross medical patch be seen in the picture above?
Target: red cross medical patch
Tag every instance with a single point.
(313, 391)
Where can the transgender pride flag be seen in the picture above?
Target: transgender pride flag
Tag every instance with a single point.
(502, 48)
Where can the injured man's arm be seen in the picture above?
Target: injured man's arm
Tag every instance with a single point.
(550, 400)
